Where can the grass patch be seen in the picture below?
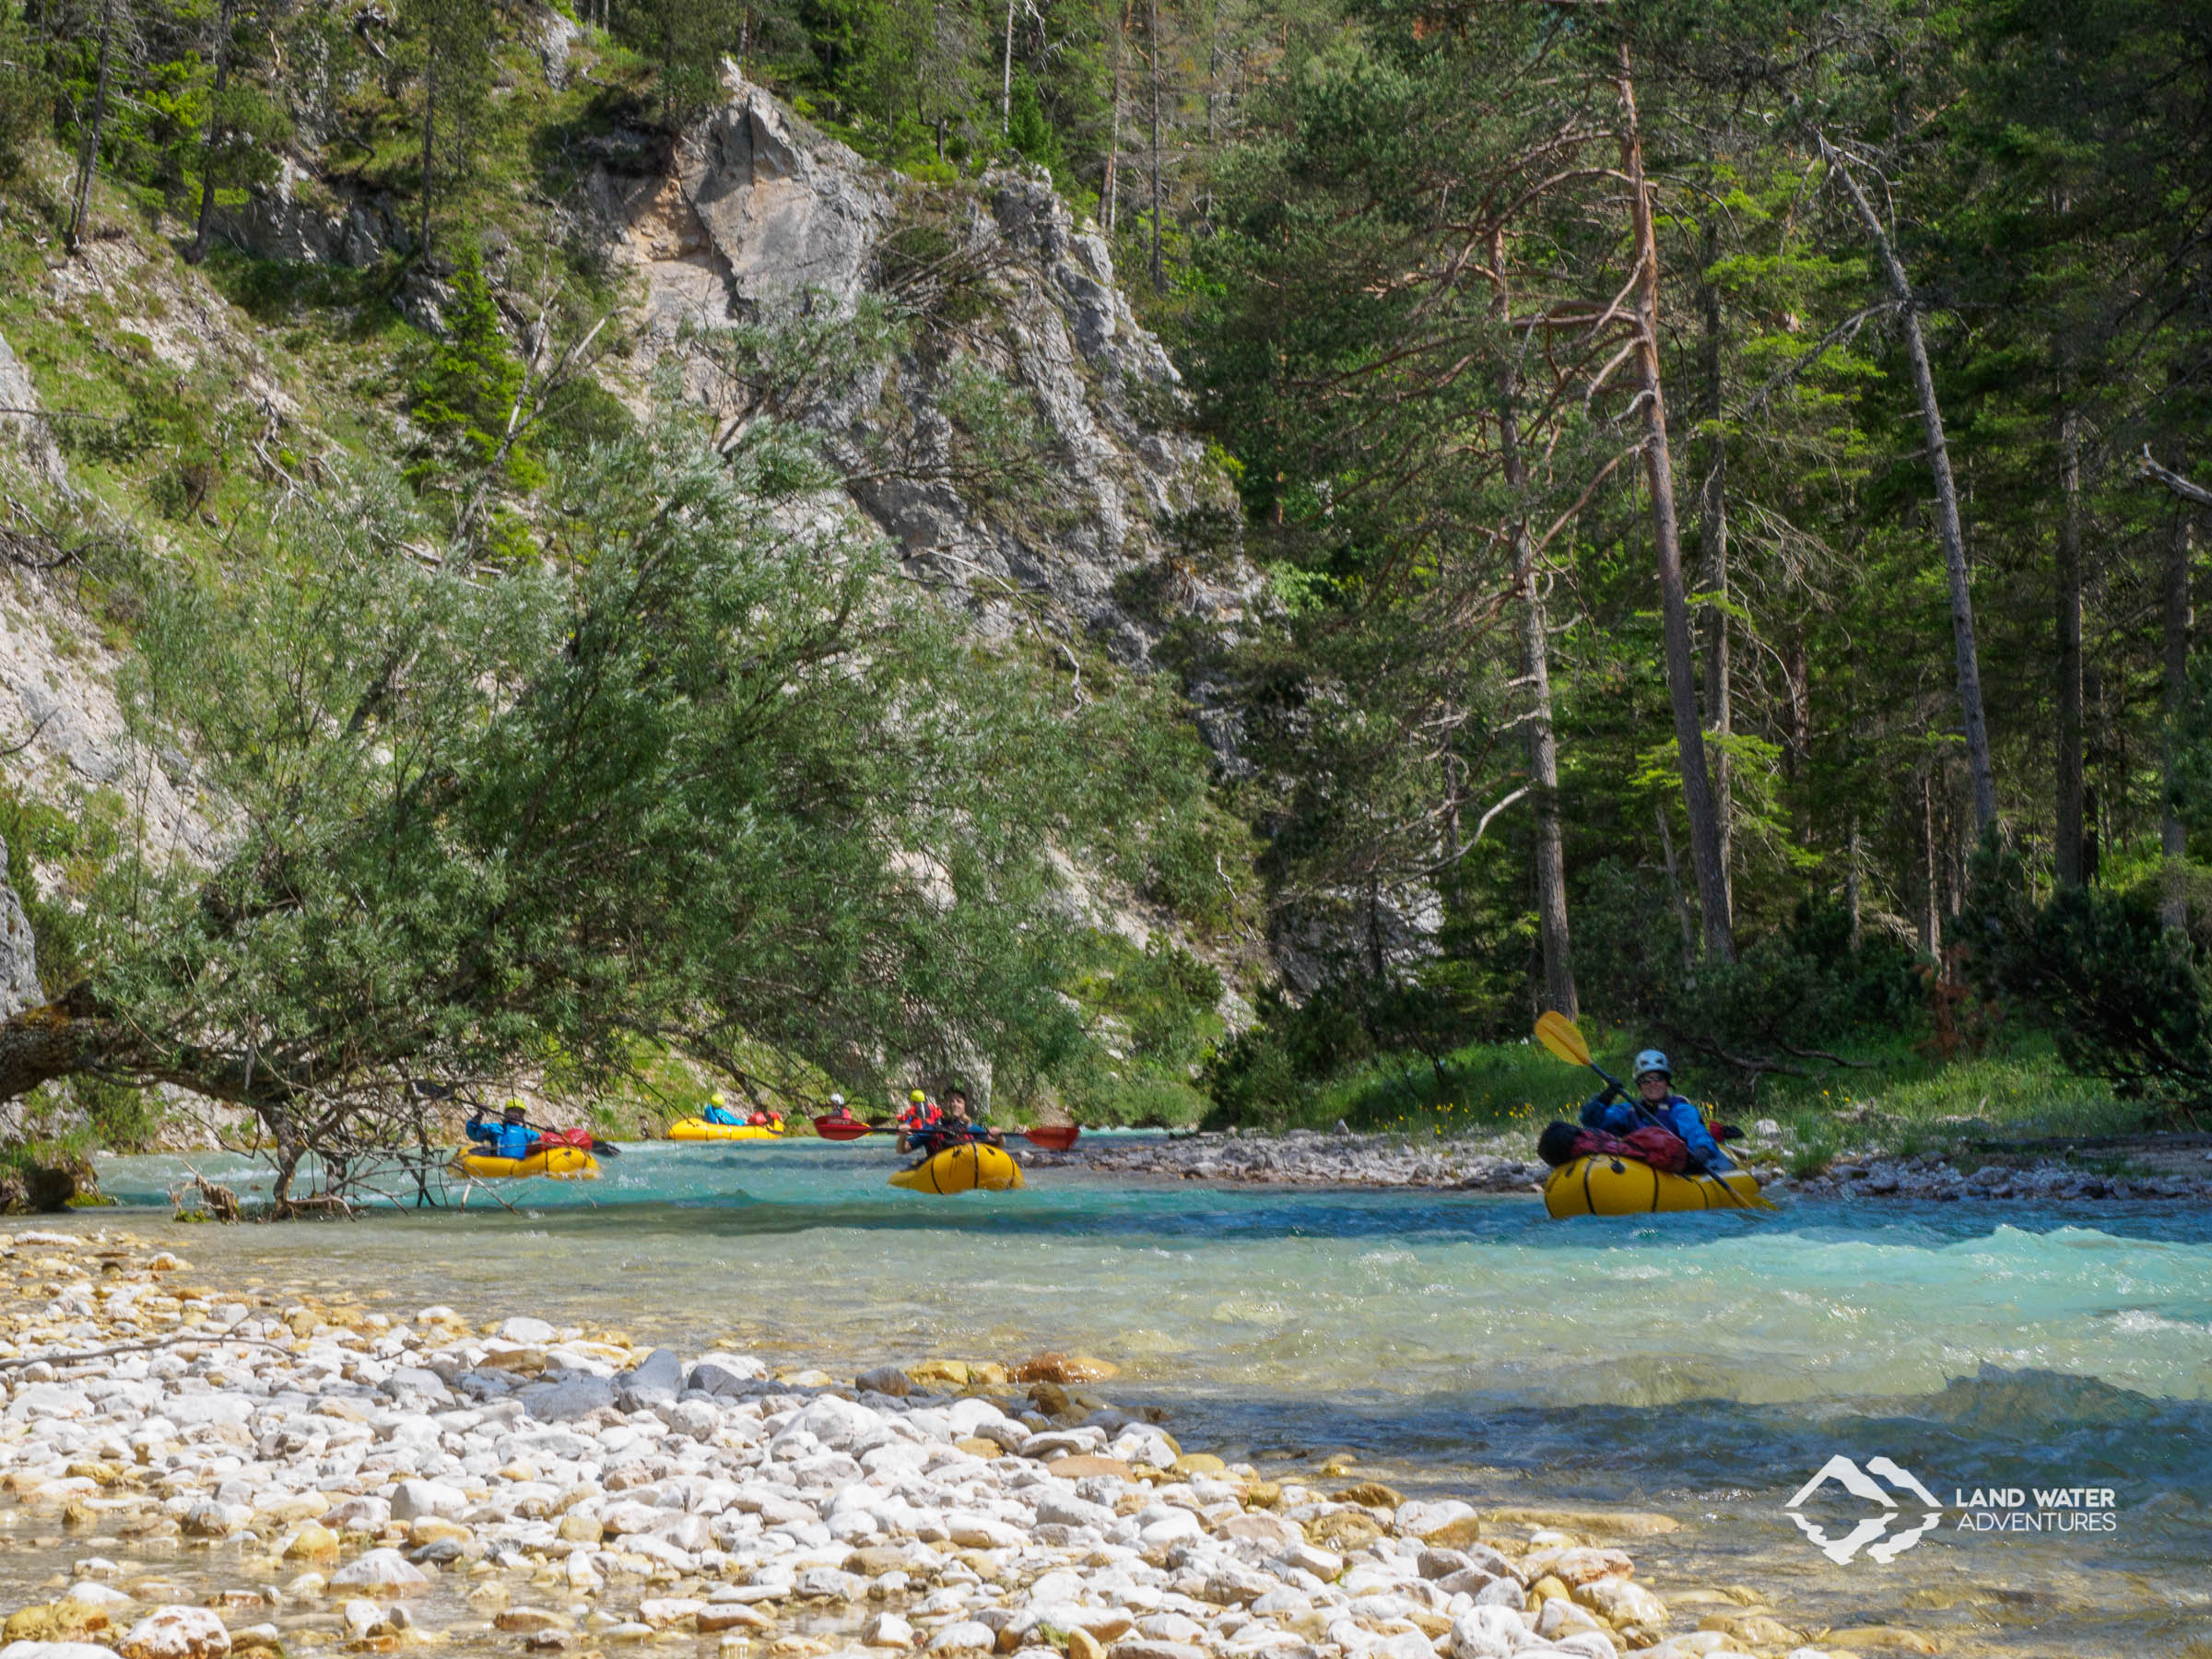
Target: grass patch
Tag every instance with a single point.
(1903, 1102)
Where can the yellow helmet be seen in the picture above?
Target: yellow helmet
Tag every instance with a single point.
(716, 1099)
(917, 1097)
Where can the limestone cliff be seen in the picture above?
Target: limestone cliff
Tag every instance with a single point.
(757, 214)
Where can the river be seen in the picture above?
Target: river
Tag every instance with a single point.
(1702, 1366)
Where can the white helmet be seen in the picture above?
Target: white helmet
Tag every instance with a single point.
(1652, 1060)
(837, 1099)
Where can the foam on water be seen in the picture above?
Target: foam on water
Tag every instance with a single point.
(1702, 1364)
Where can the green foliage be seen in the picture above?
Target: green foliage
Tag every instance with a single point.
(2126, 997)
(26, 94)
(688, 778)
(1032, 133)
(463, 391)
(451, 47)
(685, 40)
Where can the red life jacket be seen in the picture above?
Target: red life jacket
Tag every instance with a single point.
(579, 1138)
(1662, 1148)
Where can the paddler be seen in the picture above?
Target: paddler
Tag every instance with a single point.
(510, 1137)
(718, 1111)
(1657, 1103)
(839, 1111)
(921, 1126)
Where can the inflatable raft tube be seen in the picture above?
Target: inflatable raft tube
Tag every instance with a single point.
(961, 1169)
(561, 1163)
(1621, 1186)
(699, 1129)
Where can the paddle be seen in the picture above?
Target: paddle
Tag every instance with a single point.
(1564, 1038)
(1053, 1137)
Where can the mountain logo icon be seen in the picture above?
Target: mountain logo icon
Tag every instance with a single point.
(1871, 1538)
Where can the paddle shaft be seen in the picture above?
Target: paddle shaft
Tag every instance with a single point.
(894, 1129)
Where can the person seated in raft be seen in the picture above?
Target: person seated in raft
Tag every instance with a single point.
(510, 1137)
(718, 1111)
(964, 1125)
(839, 1111)
(1657, 1102)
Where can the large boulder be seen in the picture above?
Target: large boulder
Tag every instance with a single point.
(658, 1379)
(565, 1401)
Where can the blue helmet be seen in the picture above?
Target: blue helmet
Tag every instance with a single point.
(1652, 1060)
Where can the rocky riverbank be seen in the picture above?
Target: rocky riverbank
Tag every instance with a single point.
(1932, 1177)
(1467, 1164)
(1307, 1157)
(217, 1472)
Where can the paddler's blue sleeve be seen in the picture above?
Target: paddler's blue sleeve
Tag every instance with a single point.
(1689, 1123)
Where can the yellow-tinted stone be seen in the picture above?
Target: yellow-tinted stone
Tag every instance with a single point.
(312, 1542)
(1371, 1494)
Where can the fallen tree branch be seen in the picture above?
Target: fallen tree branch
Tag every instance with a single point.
(180, 1338)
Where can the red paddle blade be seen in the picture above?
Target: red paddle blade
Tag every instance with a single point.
(839, 1129)
(1053, 1137)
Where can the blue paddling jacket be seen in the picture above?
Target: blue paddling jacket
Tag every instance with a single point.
(1673, 1113)
(503, 1140)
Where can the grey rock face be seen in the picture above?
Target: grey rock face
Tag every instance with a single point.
(22, 427)
(18, 951)
(277, 221)
(760, 212)
(789, 212)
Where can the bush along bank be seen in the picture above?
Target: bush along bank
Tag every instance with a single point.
(562, 1488)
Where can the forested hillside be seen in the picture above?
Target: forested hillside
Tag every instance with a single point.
(1687, 513)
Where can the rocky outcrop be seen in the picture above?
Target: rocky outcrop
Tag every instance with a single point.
(758, 215)
(291, 219)
(19, 950)
(25, 433)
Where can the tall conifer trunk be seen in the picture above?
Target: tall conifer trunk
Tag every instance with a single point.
(2066, 838)
(1713, 539)
(216, 135)
(430, 126)
(1946, 501)
(2174, 838)
(1553, 939)
(1152, 40)
(89, 164)
(1674, 603)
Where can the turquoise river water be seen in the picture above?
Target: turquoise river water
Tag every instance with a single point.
(1702, 1366)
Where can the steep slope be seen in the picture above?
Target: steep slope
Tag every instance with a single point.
(981, 386)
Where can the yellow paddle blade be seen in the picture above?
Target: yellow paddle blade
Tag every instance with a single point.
(1559, 1034)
